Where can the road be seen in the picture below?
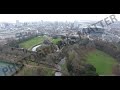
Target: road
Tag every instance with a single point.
(58, 74)
(34, 48)
(58, 66)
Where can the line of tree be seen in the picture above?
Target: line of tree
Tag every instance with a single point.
(109, 48)
(15, 43)
(76, 62)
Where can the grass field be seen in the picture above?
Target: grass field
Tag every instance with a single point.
(32, 42)
(56, 40)
(35, 41)
(102, 62)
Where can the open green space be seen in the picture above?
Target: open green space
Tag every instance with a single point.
(56, 40)
(101, 61)
(35, 41)
(32, 42)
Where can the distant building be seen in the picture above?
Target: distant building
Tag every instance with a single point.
(3, 42)
(92, 32)
(17, 22)
(89, 30)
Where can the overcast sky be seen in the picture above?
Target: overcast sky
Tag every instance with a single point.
(53, 17)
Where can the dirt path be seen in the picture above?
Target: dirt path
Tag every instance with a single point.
(34, 48)
(30, 66)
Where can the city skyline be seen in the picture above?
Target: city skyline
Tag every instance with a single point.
(11, 18)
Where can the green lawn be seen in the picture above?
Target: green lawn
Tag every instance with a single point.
(32, 42)
(35, 41)
(102, 62)
(56, 40)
